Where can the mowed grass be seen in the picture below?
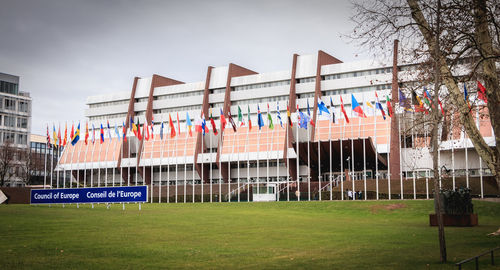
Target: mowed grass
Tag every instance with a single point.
(279, 235)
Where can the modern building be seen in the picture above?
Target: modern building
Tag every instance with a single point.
(43, 162)
(15, 121)
(280, 163)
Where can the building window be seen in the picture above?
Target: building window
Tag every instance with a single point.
(10, 104)
(8, 136)
(9, 121)
(23, 106)
(7, 87)
(22, 139)
(22, 122)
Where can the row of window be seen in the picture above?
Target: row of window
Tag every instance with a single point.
(180, 95)
(14, 105)
(13, 137)
(8, 87)
(261, 85)
(358, 73)
(355, 90)
(259, 100)
(110, 103)
(108, 116)
(10, 121)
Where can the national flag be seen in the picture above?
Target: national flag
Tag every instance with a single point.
(172, 127)
(278, 113)
(389, 107)
(356, 107)
(178, 125)
(403, 101)
(223, 121)
(332, 107)
(49, 145)
(269, 118)
(369, 104)
(124, 132)
(309, 113)
(466, 97)
(59, 136)
(86, 133)
(189, 125)
(322, 107)
(303, 119)
(427, 99)
(260, 120)
(203, 124)
(145, 129)
(72, 133)
(240, 117)
(288, 115)
(76, 136)
(481, 92)
(379, 105)
(197, 124)
(441, 106)
(93, 134)
(54, 135)
(249, 119)
(102, 134)
(133, 127)
(139, 135)
(117, 132)
(109, 131)
(65, 134)
(152, 128)
(212, 122)
(343, 110)
(417, 103)
(231, 121)
(161, 131)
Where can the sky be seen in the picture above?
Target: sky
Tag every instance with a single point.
(67, 50)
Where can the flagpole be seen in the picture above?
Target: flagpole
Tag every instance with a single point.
(45, 165)
(342, 156)
(267, 148)
(413, 146)
(364, 150)
(176, 166)
(185, 165)
(202, 163)
(332, 108)
(287, 157)
(401, 164)
(193, 183)
(71, 166)
(352, 155)
(151, 179)
(258, 155)
(168, 165)
(162, 146)
(219, 139)
(297, 146)
(278, 183)
(388, 157)
(452, 154)
(238, 170)
(210, 169)
(480, 160)
(376, 147)
(52, 167)
(466, 160)
(308, 162)
(319, 156)
(137, 154)
(92, 159)
(248, 159)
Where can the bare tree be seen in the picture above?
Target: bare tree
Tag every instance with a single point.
(469, 29)
(7, 161)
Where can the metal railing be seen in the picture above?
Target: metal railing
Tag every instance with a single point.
(476, 259)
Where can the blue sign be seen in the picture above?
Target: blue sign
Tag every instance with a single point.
(90, 195)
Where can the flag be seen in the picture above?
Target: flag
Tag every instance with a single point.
(249, 119)
(260, 120)
(76, 135)
(333, 110)
(356, 107)
(133, 126)
(466, 97)
(189, 125)
(379, 105)
(109, 131)
(65, 134)
(403, 102)
(417, 103)
(139, 135)
(288, 115)
(369, 104)
(124, 132)
(86, 133)
(212, 122)
(343, 109)
(441, 106)
(309, 113)
(54, 135)
(93, 134)
(231, 121)
(59, 135)
(49, 145)
(322, 107)
(161, 131)
(117, 132)
(72, 133)
(481, 92)
(152, 128)
(223, 121)
(203, 124)
(240, 117)
(269, 118)
(427, 99)
(198, 124)
(389, 107)
(172, 127)
(303, 119)
(278, 113)
(145, 129)
(178, 124)
(102, 134)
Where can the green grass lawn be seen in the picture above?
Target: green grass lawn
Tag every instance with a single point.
(304, 235)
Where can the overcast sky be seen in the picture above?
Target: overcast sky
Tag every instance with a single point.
(67, 50)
